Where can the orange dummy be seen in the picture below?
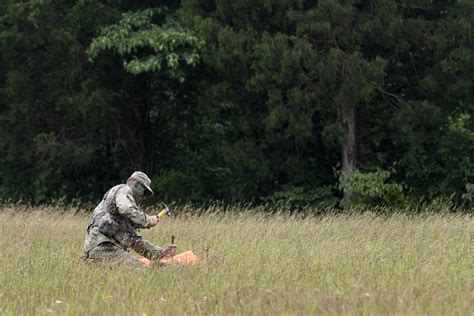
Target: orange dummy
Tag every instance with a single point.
(185, 258)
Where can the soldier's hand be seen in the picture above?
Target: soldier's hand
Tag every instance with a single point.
(154, 220)
(170, 251)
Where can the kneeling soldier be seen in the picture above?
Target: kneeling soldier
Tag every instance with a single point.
(113, 228)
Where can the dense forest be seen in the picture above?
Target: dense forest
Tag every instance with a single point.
(323, 103)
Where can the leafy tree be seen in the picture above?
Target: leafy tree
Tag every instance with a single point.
(307, 103)
(50, 123)
(436, 104)
(147, 47)
(370, 189)
(303, 80)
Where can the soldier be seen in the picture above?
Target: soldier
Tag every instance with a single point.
(113, 228)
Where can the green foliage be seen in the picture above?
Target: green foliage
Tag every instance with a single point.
(174, 185)
(370, 188)
(291, 197)
(149, 47)
(437, 205)
(237, 100)
(455, 153)
(49, 127)
(468, 196)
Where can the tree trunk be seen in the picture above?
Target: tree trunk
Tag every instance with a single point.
(347, 117)
(144, 138)
(140, 148)
(147, 137)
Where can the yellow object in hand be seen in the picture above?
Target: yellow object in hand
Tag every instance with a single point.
(162, 213)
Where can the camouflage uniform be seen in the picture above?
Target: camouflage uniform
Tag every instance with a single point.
(113, 230)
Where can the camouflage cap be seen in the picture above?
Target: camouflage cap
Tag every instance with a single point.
(143, 179)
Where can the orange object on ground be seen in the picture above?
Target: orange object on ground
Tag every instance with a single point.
(146, 262)
(184, 258)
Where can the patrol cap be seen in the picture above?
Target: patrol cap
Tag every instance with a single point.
(143, 179)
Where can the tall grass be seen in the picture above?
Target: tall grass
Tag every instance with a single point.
(258, 264)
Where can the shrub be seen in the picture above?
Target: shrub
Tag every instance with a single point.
(370, 189)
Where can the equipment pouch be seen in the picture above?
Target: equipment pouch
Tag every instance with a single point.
(113, 227)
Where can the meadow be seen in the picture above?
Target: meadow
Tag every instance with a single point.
(257, 264)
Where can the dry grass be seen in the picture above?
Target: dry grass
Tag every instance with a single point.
(353, 264)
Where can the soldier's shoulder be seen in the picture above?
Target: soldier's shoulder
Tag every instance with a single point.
(124, 189)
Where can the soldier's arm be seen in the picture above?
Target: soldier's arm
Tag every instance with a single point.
(128, 207)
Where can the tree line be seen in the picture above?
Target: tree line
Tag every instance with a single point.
(323, 103)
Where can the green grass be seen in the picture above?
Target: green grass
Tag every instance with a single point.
(279, 264)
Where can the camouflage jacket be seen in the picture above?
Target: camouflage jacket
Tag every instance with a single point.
(116, 219)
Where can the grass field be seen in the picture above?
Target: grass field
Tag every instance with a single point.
(257, 265)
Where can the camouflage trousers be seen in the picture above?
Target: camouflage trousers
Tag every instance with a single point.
(115, 254)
